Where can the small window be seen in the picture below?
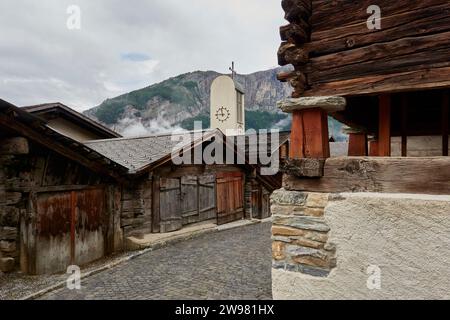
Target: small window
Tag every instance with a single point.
(239, 97)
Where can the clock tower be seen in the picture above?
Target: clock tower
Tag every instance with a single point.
(227, 106)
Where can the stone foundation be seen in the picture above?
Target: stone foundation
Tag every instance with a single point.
(10, 209)
(300, 233)
(360, 246)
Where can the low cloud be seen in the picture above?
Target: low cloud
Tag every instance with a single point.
(134, 127)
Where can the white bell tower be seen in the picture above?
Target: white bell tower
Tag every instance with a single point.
(227, 105)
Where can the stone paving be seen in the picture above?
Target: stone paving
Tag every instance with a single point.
(232, 264)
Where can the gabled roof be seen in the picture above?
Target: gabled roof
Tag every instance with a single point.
(58, 109)
(143, 154)
(137, 154)
(25, 124)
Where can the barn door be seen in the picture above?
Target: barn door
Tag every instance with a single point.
(170, 205)
(70, 229)
(230, 197)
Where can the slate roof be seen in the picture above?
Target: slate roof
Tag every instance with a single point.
(140, 152)
(60, 109)
(20, 121)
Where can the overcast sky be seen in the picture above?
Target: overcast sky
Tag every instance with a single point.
(126, 45)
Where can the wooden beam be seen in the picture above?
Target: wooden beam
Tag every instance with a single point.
(386, 175)
(14, 146)
(357, 145)
(326, 14)
(384, 122)
(398, 56)
(445, 128)
(431, 77)
(309, 134)
(430, 19)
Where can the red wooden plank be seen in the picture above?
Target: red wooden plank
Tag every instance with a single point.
(404, 126)
(309, 134)
(384, 133)
(357, 145)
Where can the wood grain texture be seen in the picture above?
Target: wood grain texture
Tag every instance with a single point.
(309, 134)
(388, 175)
(357, 145)
(384, 126)
(410, 51)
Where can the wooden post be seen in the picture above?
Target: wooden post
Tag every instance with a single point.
(357, 144)
(404, 128)
(156, 214)
(309, 134)
(384, 132)
(373, 152)
(445, 129)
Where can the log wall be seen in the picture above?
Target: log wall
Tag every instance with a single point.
(335, 53)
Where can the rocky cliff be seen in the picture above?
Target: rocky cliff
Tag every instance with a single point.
(176, 103)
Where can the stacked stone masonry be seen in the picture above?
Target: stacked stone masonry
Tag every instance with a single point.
(10, 203)
(300, 233)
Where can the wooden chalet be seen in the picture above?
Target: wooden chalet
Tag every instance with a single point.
(60, 201)
(390, 85)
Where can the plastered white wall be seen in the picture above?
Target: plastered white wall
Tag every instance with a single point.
(223, 94)
(406, 236)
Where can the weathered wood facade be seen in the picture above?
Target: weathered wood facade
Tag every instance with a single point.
(163, 197)
(59, 201)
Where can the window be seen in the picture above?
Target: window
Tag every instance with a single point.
(240, 98)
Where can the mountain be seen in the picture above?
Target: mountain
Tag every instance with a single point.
(176, 103)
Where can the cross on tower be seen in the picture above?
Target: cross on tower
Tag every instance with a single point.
(233, 71)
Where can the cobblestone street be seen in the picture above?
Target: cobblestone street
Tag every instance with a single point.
(232, 264)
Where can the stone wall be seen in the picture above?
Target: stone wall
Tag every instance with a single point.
(360, 246)
(300, 233)
(11, 205)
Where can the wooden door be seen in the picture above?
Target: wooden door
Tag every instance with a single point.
(230, 197)
(265, 204)
(189, 199)
(207, 197)
(170, 205)
(70, 229)
(256, 200)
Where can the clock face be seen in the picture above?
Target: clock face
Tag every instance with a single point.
(223, 114)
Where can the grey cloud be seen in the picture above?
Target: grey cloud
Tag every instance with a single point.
(41, 60)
